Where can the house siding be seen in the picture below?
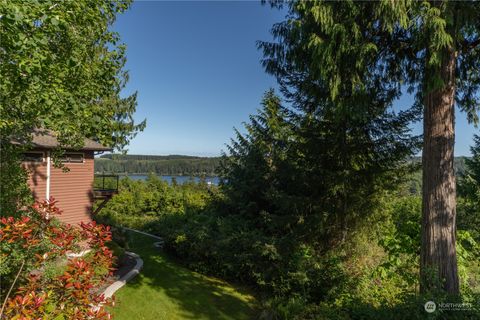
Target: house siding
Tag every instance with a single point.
(37, 177)
(73, 189)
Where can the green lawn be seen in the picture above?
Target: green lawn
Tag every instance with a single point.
(166, 290)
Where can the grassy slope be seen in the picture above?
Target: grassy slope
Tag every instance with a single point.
(165, 290)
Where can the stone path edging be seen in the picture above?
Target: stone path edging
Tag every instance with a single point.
(108, 293)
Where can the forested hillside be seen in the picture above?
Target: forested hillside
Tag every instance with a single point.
(458, 164)
(161, 165)
(192, 165)
(415, 186)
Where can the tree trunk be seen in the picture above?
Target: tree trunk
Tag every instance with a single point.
(438, 260)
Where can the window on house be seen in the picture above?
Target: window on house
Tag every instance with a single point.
(72, 158)
(33, 157)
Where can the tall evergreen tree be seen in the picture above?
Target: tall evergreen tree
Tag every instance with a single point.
(347, 160)
(252, 165)
(427, 47)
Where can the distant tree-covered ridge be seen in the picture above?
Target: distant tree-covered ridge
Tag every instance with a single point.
(415, 186)
(186, 165)
(458, 164)
(161, 165)
(115, 156)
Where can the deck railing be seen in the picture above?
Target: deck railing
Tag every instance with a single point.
(106, 182)
(105, 186)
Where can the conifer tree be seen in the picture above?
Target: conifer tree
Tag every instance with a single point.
(430, 48)
(251, 166)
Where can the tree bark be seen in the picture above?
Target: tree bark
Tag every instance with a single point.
(438, 260)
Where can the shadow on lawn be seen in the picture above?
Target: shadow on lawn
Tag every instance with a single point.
(197, 296)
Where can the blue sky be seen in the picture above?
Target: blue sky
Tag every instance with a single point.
(198, 74)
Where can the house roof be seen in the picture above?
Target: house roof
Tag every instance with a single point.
(47, 139)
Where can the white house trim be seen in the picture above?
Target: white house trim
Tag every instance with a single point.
(47, 192)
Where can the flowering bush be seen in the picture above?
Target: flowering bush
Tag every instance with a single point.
(38, 280)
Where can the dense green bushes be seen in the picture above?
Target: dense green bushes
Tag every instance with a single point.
(317, 233)
(318, 217)
(373, 273)
(139, 203)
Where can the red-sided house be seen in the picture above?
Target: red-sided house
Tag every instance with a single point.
(73, 189)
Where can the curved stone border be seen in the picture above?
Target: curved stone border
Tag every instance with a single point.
(108, 293)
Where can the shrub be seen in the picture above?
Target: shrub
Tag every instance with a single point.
(372, 274)
(38, 281)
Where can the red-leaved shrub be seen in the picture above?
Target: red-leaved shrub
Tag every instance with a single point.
(38, 280)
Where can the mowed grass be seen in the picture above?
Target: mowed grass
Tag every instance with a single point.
(166, 290)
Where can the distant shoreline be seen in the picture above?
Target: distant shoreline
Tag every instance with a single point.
(158, 174)
(173, 165)
(215, 180)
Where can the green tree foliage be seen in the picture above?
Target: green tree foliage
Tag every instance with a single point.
(139, 203)
(308, 210)
(385, 47)
(373, 276)
(357, 45)
(61, 68)
(308, 169)
(256, 162)
(13, 188)
(295, 184)
(254, 238)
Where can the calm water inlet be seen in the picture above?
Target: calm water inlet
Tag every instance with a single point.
(180, 179)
